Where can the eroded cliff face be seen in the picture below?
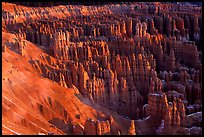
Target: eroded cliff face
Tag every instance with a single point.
(136, 59)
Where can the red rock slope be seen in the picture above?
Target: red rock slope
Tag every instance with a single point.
(34, 105)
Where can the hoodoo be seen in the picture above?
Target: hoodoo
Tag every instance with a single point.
(131, 68)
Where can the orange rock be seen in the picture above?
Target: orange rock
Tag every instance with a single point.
(131, 130)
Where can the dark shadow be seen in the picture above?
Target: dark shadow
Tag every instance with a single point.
(66, 127)
(12, 46)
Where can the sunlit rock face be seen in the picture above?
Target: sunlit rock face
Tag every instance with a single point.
(129, 68)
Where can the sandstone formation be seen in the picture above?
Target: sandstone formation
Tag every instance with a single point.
(131, 129)
(97, 128)
(140, 60)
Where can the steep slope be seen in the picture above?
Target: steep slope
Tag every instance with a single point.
(129, 68)
(32, 104)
